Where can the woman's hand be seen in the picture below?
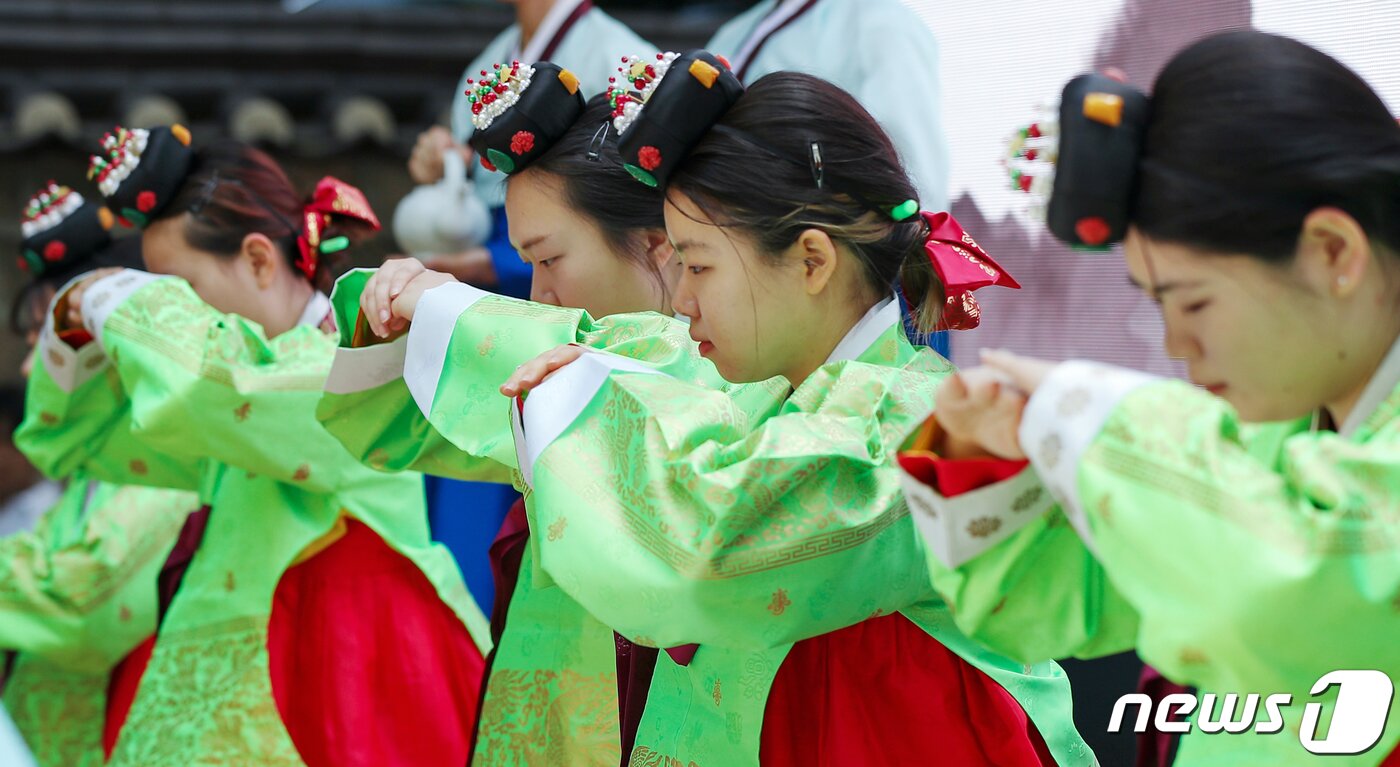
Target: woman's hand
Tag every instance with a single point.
(387, 284)
(537, 370)
(1025, 373)
(405, 304)
(980, 415)
(425, 163)
(73, 299)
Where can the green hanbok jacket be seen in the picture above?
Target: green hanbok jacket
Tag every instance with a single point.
(1235, 558)
(173, 393)
(77, 594)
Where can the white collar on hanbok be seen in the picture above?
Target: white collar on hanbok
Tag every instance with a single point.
(561, 12)
(1385, 380)
(316, 311)
(783, 12)
(862, 336)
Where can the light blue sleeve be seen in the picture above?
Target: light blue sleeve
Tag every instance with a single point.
(899, 83)
(732, 35)
(594, 49)
(493, 53)
(12, 749)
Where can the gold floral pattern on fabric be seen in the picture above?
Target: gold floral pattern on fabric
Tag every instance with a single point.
(548, 718)
(206, 701)
(1050, 449)
(643, 756)
(766, 528)
(1028, 499)
(1191, 656)
(983, 526)
(1074, 402)
(1104, 507)
(556, 528)
(780, 602)
(86, 574)
(168, 319)
(1332, 533)
(58, 712)
(493, 306)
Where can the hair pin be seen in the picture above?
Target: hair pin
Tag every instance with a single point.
(600, 137)
(818, 170)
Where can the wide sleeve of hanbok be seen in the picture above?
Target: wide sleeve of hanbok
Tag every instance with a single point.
(176, 386)
(1257, 558)
(80, 589)
(676, 516)
(430, 399)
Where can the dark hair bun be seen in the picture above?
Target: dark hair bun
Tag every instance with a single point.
(519, 111)
(660, 119)
(1102, 125)
(60, 229)
(142, 171)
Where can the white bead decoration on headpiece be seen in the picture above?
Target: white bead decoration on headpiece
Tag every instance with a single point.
(498, 90)
(1031, 155)
(642, 77)
(48, 208)
(123, 148)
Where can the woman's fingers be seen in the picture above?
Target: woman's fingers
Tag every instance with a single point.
(387, 283)
(1025, 373)
(74, 316)
(537, 370)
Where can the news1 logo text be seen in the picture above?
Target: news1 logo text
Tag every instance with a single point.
(1359, 712)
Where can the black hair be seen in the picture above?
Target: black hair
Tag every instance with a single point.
(1249, 132)
(235, 190)
(755, 172)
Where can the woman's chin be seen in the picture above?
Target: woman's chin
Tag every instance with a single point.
(1261, 410)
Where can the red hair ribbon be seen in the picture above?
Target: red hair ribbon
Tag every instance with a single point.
(332, 197)
(962, 266)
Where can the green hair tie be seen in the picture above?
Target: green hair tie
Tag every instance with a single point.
(905, 210)
(335, 244)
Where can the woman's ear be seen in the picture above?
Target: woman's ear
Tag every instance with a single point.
(659, 248)
(818, 257)
(263, 258)
(1334, 252)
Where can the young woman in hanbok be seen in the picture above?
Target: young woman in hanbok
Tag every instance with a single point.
(772, 531)
(78, 592)
(1242, 534)
(598, 246)
(304, 615)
